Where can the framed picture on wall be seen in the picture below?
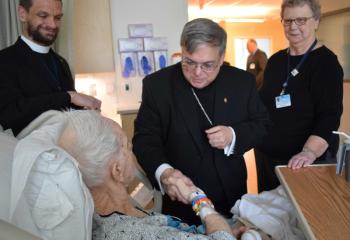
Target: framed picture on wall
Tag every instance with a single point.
(140, 30)
(145, 63)
(128, 64)
(160, 59)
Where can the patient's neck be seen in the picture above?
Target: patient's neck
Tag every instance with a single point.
(116, 199)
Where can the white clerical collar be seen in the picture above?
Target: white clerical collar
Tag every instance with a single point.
(34, 46)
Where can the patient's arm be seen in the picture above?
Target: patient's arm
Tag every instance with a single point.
(213, 221)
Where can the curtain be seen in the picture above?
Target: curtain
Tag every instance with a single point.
(64, 43)
(10, 26)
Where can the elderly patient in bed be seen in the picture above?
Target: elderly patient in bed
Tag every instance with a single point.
(107, 165)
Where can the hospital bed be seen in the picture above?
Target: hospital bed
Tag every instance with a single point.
(48, 200)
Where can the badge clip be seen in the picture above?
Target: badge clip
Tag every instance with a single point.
(294, 72)
(282, 92)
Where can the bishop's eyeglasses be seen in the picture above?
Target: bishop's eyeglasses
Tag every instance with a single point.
(192, 65)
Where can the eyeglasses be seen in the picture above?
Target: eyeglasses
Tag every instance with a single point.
(192, 65)
(298, 21)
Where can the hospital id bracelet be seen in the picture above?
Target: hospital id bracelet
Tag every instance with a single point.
(196, 193)
(197, 206)
(198, 197)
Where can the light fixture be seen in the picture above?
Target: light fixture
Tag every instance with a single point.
(229, 12)
(240, 20)
(201, 4)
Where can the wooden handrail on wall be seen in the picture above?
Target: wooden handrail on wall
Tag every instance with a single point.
(335, 12)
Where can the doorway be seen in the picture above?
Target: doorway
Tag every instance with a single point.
(241, 52)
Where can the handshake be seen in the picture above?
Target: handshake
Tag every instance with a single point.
(178, 186)
(181, 188)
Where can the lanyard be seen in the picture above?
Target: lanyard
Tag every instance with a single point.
(295, 71)
(202, 108)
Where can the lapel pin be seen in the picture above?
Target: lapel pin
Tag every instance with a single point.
(225, 100)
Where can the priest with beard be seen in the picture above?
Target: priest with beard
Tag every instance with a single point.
(33, 78)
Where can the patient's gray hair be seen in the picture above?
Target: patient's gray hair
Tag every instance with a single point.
(96, 142)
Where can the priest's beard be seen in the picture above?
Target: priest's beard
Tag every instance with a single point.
(37, 36)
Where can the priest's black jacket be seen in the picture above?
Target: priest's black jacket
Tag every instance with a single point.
(167, 131)
(28, 88)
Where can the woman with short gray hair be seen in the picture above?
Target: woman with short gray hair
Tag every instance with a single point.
(303, 91)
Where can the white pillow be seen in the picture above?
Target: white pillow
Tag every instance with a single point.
(7, 146)
(48, 196)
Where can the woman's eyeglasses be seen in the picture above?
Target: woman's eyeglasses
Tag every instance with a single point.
(298, 21)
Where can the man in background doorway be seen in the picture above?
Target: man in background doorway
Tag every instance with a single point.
(256, 62)
(33, 78)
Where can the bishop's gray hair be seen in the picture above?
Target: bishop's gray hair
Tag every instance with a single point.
(202, 31)
(96, 143)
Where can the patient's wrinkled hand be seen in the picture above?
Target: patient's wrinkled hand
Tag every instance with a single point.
(238, 230)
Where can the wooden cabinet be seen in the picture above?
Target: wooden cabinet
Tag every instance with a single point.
(93, 48)
(128, 118)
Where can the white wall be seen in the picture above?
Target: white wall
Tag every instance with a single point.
(168, 18)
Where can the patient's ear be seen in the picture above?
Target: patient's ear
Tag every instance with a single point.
(116, 172)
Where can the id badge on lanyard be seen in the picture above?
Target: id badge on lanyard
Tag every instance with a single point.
(283, 101)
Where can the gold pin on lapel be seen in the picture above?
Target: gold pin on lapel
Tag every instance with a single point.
(225, 99)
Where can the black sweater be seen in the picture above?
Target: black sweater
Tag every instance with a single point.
(28, 87)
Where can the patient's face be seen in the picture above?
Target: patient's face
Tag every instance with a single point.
(126, 157)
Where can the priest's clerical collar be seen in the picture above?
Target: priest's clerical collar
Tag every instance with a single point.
(34, 46)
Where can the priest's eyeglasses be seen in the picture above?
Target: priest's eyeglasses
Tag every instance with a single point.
(298, 21)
